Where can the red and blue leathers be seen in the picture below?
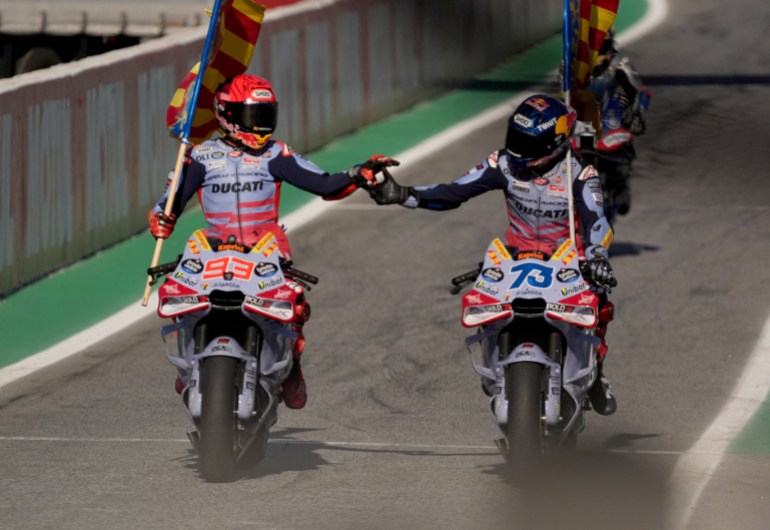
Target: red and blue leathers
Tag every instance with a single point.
(538, 211)
(240, 189)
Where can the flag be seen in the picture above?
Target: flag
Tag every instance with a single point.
(237, 30)
(586, 23)
(589, 21)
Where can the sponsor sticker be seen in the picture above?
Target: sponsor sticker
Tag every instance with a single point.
(269, 283)
(569, 257)
(492, 274)
(181, 278)
(265, 270)
(562, 250)
(567, 291)
(567, 275)
(200, 237)
(192, 266)
(261, 94)
(260, 246)
(486, 289)
(522, 120)
(501, 249)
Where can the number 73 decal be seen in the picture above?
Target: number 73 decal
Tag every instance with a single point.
(535, 275)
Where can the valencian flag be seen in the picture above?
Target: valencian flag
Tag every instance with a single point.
(236, 34)
(586, 23)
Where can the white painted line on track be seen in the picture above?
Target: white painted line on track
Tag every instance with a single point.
(488, 449)
(78, 342)
(695, 469)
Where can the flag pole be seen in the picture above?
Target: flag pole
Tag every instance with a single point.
(567, 38)
(184, 139)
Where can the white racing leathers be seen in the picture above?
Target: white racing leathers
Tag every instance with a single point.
(538, 211)
(240, 189)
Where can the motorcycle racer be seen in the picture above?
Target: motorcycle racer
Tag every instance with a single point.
(623, 102)
(238, 177)
(532, 172)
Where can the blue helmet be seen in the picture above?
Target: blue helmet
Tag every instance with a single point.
(539, 131)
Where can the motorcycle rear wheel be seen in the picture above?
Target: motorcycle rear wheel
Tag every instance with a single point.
(217, 423)
(524, 430)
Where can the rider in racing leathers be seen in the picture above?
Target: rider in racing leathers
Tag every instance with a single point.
(623, 101)
(532, 172)
(238, 179)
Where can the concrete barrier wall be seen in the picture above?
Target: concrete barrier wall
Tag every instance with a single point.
(83, 146)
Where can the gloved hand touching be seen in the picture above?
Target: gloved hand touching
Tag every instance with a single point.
(161, 225)
(390, 191)
(365, 175)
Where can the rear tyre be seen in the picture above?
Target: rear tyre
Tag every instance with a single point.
(524, 430)
(217, 423)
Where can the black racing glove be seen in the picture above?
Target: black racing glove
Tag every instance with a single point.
(390, 191)
(600, 272)
(365, 175)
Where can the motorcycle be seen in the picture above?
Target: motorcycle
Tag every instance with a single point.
(613, 153)
(612, 156)
(234, 311)
(535, 346)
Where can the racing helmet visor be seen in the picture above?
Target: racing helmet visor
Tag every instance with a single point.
(528, 146)
(252, 117)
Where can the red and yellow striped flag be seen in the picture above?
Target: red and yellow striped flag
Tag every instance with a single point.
(596, 18)
(237, 31)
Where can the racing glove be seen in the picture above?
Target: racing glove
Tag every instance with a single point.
(391, 192)
(600, 272)
(364, 175)
(161, 225)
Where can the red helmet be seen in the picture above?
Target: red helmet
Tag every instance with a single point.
(247, 109)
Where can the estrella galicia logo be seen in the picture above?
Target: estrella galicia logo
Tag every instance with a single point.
(192, 266)
(567, 275)
(265, 270)
(492, 274)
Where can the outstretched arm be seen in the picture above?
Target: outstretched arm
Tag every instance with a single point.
(298, 171)
(479, 180)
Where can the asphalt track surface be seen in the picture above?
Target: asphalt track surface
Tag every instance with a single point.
(396, 433)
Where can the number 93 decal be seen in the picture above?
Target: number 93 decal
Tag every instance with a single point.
(534, 274)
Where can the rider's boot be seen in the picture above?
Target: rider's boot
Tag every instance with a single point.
(602, 399)
(623, 199)
(600, 394)
(294, 388)
(623, 195)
